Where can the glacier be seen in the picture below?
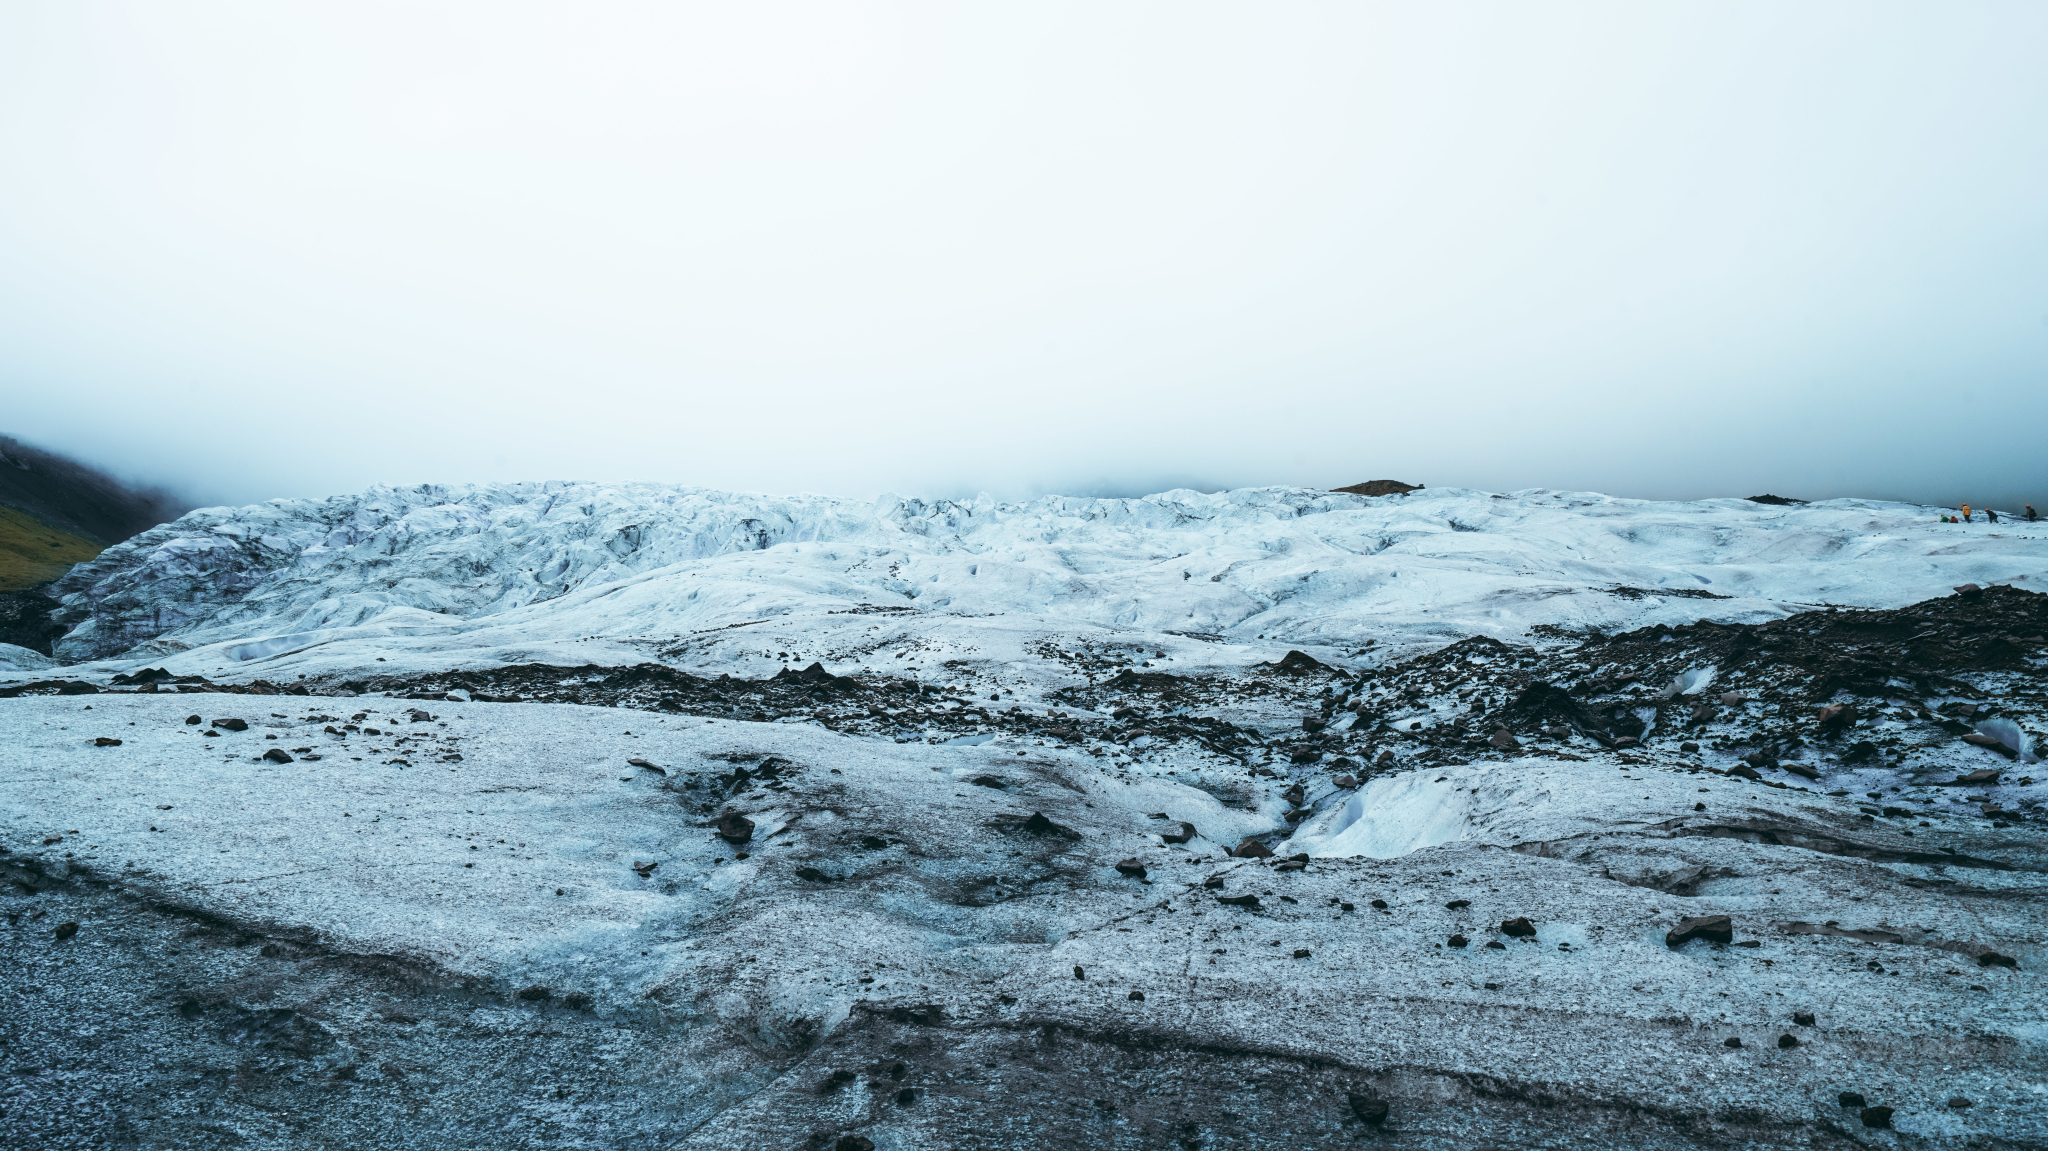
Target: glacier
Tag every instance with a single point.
(635, 815)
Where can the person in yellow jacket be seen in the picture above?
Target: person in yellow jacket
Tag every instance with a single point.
(1966, 513)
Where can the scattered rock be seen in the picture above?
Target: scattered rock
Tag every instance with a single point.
(232, 724)
(644, 870)
(1458, 941)
(641, 763)
(1213, 883)
(66, 930)
(1301, 953)
(1775, 501)
(1252, 849)
(1137, 997)
(1979, 739)
(1379, 904)
(536, 994)
(1994, 959)
(735, 828)
(1969, 590)
(1689, 747)
(1850, 1099)
(812, 875)
(104, 741)
(1712, 928)
(1503, 740)
(418, 716)
(1238, 900)
(277, 755)
(1458, 904)
(577, 1001)
(1733, 698)
(1131, 869)
(990, 781)
(853, 1142)
(1346, 782)
(1879, 1117)
(1731, 1041)
(1835, 716)
(1959, 1103)
(193, 721)
(1313, 724)
(1802, 1018)
(1186, 833)
(1496, 945)
(1985, 777)
(1518, 928)
(1787, 1042)
(1079, 973)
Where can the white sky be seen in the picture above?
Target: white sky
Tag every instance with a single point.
(1668, 249)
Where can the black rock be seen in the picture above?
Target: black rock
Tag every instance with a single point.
(1803, 1018)
(1186, 833)
(852, 1142)
(1038, 824)
(1731, 1041)
(1252, 849)
(1301, 953)
(1960, 1103)
(576, 1001)
(536, 993)
(1379, 904)
(1238, 900)
(1712, 928)
(1518, 928)
(106, 741)
(735, 828)
(1850, 1099)
(1137, 997)
(277, 755)
(1131, 869)
(1787, 1042)
(1497, 945)
(1457, 904)
(66, 930)
(1879, 1117)
(193, 720)
(835, 1081)
(1458, 941)
(1370, 1109)
(1994, 959)
(232, 724)
(1079, 973)
(989, 781)
(813, 875)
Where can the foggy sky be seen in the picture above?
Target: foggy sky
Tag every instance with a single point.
(1670, 250)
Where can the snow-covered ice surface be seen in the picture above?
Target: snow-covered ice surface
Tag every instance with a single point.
(450, 921)
(613, 573)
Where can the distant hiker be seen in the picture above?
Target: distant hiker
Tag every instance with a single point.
(1991, 515)
(1966, 513)
(2031, 517)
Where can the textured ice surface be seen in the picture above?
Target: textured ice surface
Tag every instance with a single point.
(489, 928)
(613, 572)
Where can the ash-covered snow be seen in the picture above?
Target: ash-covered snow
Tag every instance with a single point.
(452, 910)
